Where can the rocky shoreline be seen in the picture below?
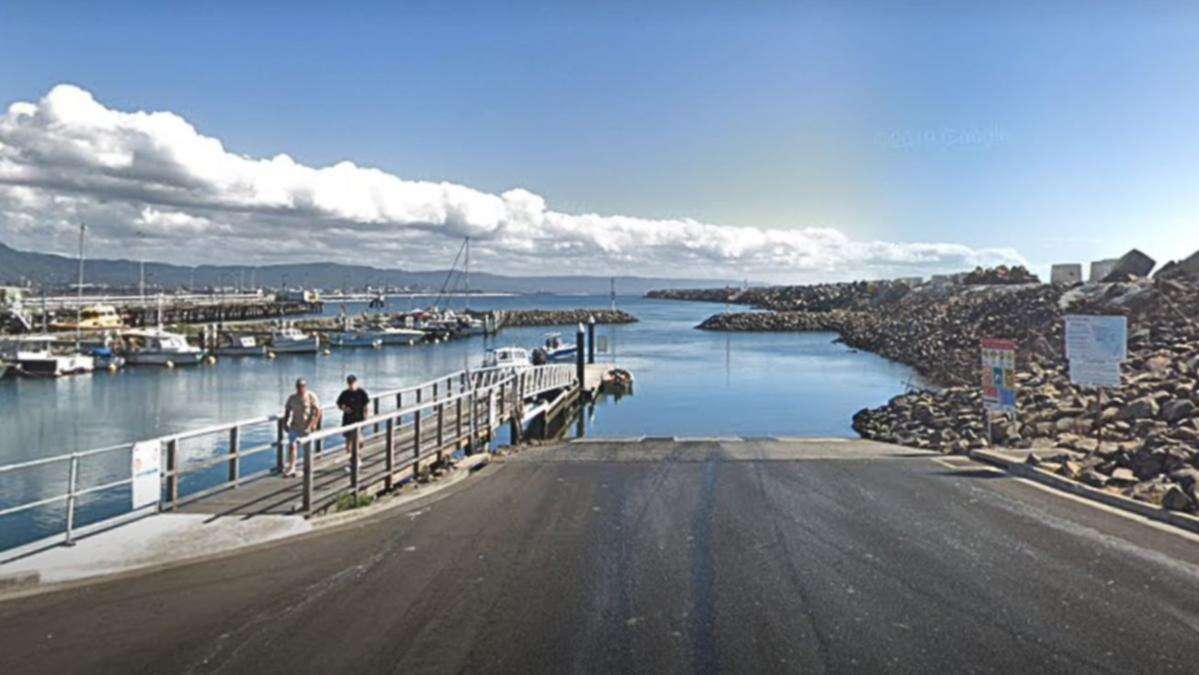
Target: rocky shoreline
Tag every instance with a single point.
(517, 318)
(1150, 425)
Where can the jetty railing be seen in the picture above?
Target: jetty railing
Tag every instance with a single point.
(256, 447)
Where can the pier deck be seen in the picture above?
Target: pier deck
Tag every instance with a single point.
(280, 495)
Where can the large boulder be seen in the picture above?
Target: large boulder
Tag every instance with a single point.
(1187, 267)
(1177, 410)
(1142, 408)
(1134, 263)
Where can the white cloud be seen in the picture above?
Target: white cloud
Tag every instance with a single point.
(151, 175)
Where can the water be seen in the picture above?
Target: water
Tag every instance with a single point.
(688, 383)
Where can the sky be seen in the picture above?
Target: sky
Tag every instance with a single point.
(780, 142)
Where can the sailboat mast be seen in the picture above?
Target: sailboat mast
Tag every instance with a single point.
(466, 268)
(79, 291)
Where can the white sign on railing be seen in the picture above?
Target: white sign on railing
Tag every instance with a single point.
(146, 464)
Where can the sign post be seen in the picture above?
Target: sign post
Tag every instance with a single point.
(998, 378)
(1095, 347)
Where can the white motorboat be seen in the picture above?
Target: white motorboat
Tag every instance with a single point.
(158, 347)
(390, 335)
(555, 349)
(506, 356)
(289, 340)
(239, 345)
(354, 338)
(41, 356)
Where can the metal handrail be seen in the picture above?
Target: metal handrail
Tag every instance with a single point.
(470, 385)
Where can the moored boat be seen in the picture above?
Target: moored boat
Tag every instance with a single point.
(42, 356)
(158, 347)
(289, 340)
(239, 345)
(506, 356)
(354, 338)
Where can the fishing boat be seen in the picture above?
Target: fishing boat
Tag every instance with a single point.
(289, 340)
(93, 317)
(42, 356)
(354, 338)
(104, 358)
(390, 335)
(557, 350)
(506, 356)
(158, 347)
(239, 345)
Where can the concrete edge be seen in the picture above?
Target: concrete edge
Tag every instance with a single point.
(462, 469)
(1020, 469)
(26, 584)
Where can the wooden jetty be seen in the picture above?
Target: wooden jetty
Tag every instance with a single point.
(424, 427)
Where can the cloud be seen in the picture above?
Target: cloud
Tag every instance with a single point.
(151, 177)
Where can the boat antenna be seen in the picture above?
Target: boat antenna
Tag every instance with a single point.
(79, 291)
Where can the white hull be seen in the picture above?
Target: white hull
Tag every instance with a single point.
(354, 340)
(399, 336)
(241, 351)
(157, 358)
(41, 365)
(309, 346)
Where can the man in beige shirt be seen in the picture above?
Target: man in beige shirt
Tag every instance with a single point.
(301, 415)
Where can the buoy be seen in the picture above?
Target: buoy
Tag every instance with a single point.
(112, 367)
(270, 355)
(169, 364)
(211, 359)
(326, 352)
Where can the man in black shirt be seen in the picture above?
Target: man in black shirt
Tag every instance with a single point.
(352, 402)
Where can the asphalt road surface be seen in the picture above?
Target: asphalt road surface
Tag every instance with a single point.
(661, 556)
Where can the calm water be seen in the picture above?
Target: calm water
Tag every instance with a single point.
(688, 383)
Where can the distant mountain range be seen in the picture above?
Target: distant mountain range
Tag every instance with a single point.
(25, 267)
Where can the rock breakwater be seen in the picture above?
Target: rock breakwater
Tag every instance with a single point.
(1150, 425)
(562, 317)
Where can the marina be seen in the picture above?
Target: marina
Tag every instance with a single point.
(695, 383)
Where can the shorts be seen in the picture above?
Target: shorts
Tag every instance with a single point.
(351, 435)
(293, 436)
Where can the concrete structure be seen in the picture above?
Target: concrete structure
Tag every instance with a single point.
(1134, 263)
(1101, 268)
(1065, 274)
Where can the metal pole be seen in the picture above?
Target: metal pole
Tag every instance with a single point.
(233, 455)
(79, 291)
(591, 339)
(416, 444)
(172, 469)
(308, 477)
(391, 452)
(579, 366)
(279, 445)
(72, 483)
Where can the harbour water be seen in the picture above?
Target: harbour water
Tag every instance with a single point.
(688, 383)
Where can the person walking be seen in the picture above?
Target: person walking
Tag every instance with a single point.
(352, 402)
(301, 416)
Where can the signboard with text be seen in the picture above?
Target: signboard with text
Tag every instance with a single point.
(1095, 347)
(998, 374)
(146, 463)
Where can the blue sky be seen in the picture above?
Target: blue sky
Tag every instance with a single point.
(1064, 131)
